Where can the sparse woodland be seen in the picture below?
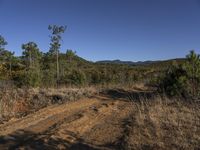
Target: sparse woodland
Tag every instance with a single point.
(168, 116)
(54, 69)
(37, 69)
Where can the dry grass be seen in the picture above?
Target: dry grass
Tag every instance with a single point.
(20, 102)
(164, 124)
(157, 123)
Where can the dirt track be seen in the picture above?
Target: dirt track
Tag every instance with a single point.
(96, 123)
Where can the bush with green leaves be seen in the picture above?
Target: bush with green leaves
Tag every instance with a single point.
(183, 80)
(174, 81)
(76, 77)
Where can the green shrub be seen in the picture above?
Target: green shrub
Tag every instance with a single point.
(174, 81)
(76, 77)
(183, 80)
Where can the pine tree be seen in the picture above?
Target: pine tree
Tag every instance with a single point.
(70, 54)
(56, 32)
(192, 67)
(9, 58)
(32, 57)
(3, 43)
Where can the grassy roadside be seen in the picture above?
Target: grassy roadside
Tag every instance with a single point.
(20, 102)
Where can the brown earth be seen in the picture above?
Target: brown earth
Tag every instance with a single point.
(95, 123)
(102, 123)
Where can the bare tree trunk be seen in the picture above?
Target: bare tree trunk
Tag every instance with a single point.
(30, 58)
(57, 60)
(193, 88)
(10, 69)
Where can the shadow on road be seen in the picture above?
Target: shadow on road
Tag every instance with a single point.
(46, 140)
(129, 95)
(28, 140)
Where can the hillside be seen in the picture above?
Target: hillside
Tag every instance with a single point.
(76, 71)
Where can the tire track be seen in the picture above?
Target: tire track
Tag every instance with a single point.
(90, 124)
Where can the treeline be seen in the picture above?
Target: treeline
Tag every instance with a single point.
(35, 68)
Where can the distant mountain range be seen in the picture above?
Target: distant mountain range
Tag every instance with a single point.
(117, 61)
(126, 62)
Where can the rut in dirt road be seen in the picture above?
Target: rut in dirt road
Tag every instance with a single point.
(96, 123)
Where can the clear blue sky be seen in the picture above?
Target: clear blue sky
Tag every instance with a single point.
(106, 29)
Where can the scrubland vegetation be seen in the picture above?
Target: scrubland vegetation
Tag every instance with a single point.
(20, 102)
(164, 112)
(164, 124)
(35, 68)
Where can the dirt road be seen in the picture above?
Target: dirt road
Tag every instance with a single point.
(96, 123)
